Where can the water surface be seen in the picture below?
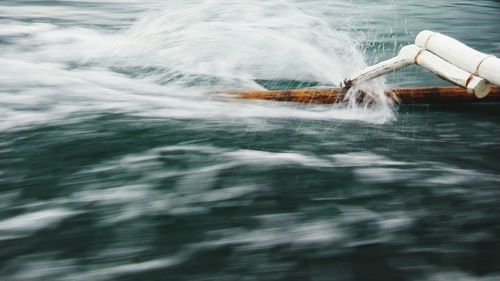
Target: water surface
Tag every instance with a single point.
(117, 161)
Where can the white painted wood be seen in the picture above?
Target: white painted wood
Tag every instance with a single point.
(461, 55)
(403, 59)
(379, 69)
(413, 54)
(474, 84)
(490, 70)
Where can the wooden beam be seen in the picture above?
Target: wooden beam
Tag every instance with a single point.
(419, 95)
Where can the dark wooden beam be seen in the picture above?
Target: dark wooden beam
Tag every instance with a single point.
(418, 95)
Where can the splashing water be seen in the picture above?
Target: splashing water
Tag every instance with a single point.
(118, 161)
(168, 61)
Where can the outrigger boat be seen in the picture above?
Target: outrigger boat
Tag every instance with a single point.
(474, 73)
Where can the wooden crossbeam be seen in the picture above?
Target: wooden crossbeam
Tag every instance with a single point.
(419, 95)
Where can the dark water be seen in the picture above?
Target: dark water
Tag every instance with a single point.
(117, 163)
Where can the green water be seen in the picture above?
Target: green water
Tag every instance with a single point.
(116, 163)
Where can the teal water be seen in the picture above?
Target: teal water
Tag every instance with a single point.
(118, 161)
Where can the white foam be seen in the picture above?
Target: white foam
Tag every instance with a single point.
(46, 266)
(113, 272)
(459, 276)
(25, 224)
(361, 159)
(276, 158)
(385, 175)
(175, 56)
(115, 195)
(290, 232)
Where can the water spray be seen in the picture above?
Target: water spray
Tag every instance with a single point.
(471, 70)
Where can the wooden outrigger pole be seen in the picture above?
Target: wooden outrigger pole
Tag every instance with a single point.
(421, 95)
(474, 72)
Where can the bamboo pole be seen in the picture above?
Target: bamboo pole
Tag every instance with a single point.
(460, 55)
(413, 54)
(419, 95)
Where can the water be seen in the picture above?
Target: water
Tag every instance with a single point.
(119, 160)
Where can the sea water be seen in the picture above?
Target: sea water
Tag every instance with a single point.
(122, 158)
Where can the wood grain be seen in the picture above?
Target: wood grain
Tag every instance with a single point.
(417, 95)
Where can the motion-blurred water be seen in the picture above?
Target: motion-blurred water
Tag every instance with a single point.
(118, 161)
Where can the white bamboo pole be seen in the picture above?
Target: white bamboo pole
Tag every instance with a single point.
(413, 54)
(403, 59)
(475, 85)
(461, 55)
